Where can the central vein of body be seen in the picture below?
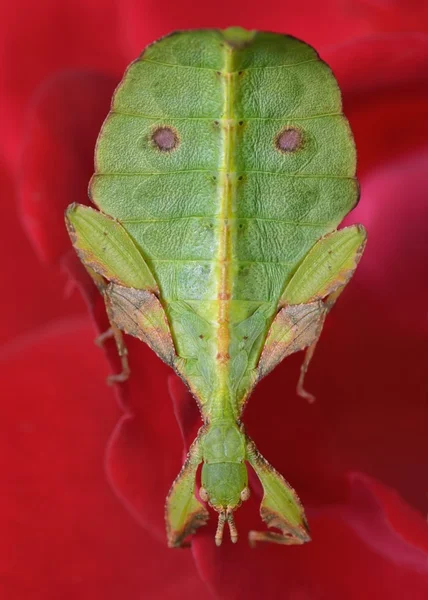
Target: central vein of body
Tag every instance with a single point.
(222, 405)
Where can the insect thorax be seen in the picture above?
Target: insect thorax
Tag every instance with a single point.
(223, 442)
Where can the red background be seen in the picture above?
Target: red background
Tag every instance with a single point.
(358, 456)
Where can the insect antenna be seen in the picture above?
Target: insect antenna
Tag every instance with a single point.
(220, 527)
(232, 526)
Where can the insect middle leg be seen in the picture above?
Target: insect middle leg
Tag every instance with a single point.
(328, 305)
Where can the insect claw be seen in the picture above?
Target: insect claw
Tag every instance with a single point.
(117, 378)
(106, 335)
(310, 398)
(303, 370)
(122, 376)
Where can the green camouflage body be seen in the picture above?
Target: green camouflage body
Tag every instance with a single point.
(222, 172)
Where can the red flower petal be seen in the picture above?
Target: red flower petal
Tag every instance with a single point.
(319, 24)
(38, 41)
(146, 439)
(357, 551)
(31, 293)
(384, 82)
(144, 454)
(369, 370)
(396, 531)
(64, 535)
(374, 421)
(57, 160)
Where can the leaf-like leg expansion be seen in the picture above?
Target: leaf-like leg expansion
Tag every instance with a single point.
(328, 304)
(294, 328)
(323, 274)
(109, 253)
(104, 245)
(183, 511)
(280, 507)
(329, 265)
(139, 313)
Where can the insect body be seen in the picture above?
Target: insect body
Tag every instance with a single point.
(222, 172)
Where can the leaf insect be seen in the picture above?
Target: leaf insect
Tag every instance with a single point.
(222, 172)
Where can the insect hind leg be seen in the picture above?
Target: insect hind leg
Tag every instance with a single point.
(96, 237)
(323, 275)
(112, 332)
(300, 389)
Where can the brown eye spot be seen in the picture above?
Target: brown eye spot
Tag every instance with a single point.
(165, 139)
(288, 140)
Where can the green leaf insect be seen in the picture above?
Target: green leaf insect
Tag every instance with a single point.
(222, 172)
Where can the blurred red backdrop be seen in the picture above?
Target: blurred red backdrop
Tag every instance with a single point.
(358, 456)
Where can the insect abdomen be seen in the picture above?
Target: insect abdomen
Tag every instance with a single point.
(225, 157)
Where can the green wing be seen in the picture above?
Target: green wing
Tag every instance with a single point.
(225, 157)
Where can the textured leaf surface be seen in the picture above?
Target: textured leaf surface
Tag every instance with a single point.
(225, 157)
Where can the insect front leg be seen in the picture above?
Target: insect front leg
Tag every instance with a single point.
(280, 507)
(184, 513)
